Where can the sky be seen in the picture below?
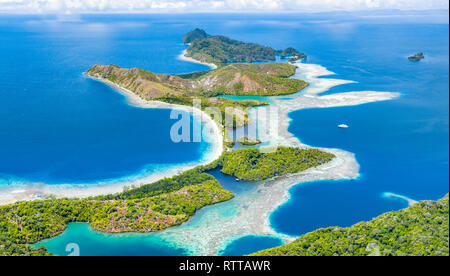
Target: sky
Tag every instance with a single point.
(155, 6)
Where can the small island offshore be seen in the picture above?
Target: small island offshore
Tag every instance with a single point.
(172, 201)
(416, 57)
(221, 50)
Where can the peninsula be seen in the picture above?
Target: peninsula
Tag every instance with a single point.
(419, 230)
(170, 201)
(267, 79)
(221, 50)
(416, 57)
(148, 208)
(255, 165)
(264, 79)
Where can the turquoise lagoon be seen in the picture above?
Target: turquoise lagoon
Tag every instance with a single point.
(93, 243)
(60, 127)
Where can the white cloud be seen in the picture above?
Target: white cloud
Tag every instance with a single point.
(80, 6)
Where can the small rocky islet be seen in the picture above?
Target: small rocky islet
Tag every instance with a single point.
(416, 57)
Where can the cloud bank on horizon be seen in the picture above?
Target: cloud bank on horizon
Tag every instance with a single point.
(86, 6)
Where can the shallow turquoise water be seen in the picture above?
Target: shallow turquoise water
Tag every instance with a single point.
(242, 98)
(401, 145)
(93, 243)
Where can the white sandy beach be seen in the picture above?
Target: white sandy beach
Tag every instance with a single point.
(183, 56)
(410, 201)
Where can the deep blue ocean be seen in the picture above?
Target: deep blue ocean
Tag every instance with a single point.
(57, 126)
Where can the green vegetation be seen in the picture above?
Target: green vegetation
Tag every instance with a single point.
(149, 208)
(232, 113)
(263, 79)
(193, 75)
(190, 177)
(254, 165)
(145, 84)
(242, 79)
(268, 79)
(227, 140)
(222, 50)
(246, 141)
(8, 248)
(32, 221)
(193, 35)
(420, 230)
(291, 52)
(416, 57)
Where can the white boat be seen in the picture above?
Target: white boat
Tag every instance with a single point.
(343, 126)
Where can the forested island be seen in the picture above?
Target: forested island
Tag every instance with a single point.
(148, 208)
(171, 201)
(235, 79)
(420, 230)
(263, 79)
(256, 165)
(221, 50)
(252, 79)
(416, 57)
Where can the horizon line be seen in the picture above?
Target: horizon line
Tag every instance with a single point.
(179, 11)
